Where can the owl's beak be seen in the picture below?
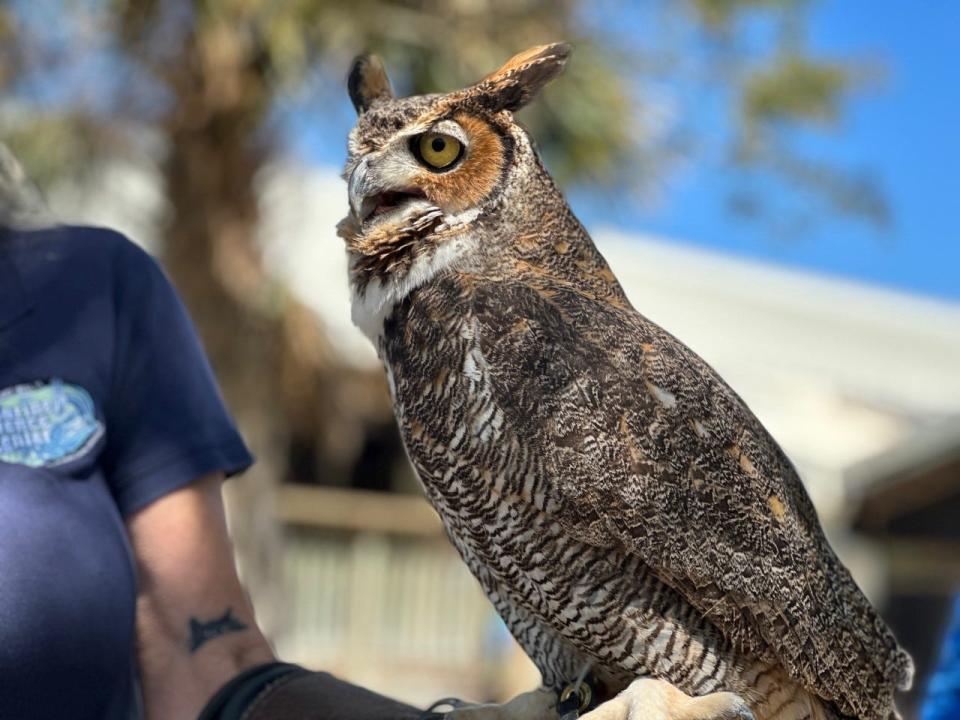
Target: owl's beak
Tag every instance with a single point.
(361, 190)
(369, 196)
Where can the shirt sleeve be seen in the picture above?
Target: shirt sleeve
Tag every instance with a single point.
(166, 421)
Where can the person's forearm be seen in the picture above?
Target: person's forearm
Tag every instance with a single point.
(182, 668)
(195, 625)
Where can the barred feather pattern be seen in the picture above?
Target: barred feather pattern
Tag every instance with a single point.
(565, 600)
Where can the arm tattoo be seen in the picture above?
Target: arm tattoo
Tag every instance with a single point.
(201, 632)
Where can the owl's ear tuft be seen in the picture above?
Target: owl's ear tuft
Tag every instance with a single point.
(522, 77)
(367, 82)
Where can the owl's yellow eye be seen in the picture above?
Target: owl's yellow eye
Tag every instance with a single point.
(438, 151)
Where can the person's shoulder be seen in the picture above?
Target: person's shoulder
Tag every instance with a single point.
(78, 243)
(133, 272)
(103, 243)
(104, 248)
(127, 256)
(87, 260)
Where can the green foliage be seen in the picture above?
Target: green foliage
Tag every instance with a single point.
(594, 126)
(31, 144)
(778, 95)
(721, 14)
(429, 46)
(795, 88)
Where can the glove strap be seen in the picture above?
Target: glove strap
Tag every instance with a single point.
(233, 698)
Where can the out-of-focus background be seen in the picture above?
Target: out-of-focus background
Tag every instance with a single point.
(774, 181)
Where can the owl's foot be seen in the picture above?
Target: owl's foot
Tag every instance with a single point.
(651, 699)
(536, 705)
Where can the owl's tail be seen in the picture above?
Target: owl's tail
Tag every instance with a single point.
(815, 708)
(780, 697)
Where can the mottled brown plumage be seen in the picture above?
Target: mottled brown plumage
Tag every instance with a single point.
(617, 501)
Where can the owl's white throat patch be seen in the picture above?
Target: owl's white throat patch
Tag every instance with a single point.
(372, 305)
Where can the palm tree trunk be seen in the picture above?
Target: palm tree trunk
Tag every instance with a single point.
(212, 254)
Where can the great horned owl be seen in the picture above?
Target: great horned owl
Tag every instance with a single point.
(618, 502)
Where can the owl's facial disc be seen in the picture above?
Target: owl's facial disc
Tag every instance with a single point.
(438, 169)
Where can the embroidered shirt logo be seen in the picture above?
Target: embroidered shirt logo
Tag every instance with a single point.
(46, 424)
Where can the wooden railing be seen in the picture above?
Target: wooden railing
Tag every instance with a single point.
(376, 594)
(357, 511)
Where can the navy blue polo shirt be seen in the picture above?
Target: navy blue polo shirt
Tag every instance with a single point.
(106, 404)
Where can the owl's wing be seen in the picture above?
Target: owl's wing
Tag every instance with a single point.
(646, 448)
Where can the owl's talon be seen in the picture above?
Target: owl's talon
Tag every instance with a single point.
(737, 709)
(650, 699)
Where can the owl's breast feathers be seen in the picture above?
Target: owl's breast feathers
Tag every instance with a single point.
(646, 450)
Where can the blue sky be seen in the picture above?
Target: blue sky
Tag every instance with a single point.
(903, 128)
(906, 129)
